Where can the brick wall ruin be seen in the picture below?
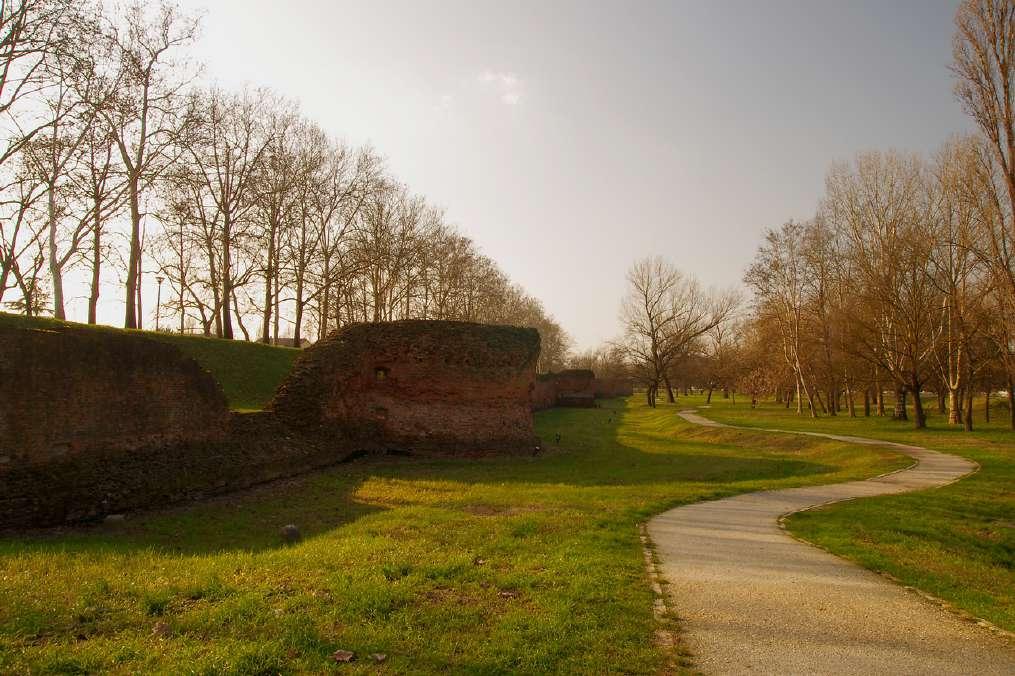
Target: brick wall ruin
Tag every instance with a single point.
(68, 390)
(544, 394)
(576, 388)
(88, 486)
(417, 386)
(96, 422)
(607, 388)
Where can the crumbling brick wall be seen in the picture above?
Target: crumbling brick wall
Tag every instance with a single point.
(575, 381)
(544, 395)
(67, 391)
(419, 386)
(606, 388)
(576, 388)
(88, 486)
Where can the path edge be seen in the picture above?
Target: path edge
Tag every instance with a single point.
(940, 603)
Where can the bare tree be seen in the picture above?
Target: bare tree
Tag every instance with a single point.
(663, 313)
(144, 112)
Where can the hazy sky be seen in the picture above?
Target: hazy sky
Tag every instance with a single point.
(569, 139)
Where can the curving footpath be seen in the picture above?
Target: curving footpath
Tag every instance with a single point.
(754, 600)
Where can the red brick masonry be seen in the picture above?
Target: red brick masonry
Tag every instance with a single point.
(427, 387)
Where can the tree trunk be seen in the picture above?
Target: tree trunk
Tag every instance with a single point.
(298, 320)
(269, 301)
(900, 404)
(919, 415)
(140, 285)
(867, 403)
(669, 390)
(941, 408)
(968, 422)
(134, 259)
(275, 319)
(93, 295)
(55, 271)
(227, 274)
(1011, 401)
(954, 417)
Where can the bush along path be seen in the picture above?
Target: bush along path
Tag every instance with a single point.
(753, 599)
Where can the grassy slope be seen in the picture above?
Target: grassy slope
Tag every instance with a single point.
(487, 566)
(248, 372)
(956, 542)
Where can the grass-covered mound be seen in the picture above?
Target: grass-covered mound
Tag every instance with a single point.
(955, 542)
(247, 372)
(502, 565)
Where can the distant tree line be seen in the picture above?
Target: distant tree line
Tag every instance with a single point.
(903, 282)
(115, 161)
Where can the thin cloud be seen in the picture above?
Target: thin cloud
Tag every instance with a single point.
(445, 103)
(507, 85)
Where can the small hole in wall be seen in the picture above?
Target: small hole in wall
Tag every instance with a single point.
(380, 373)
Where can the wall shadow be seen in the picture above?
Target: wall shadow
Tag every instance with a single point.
(597, 448)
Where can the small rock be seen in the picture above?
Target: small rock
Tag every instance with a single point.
(378, 657)
(343, 656)
(290, 533)
(509, 595)
(161, 630)
(478, 561)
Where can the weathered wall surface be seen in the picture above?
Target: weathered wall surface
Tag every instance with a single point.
(576, 388)
(419, 386)
(575, 381)
(96, 422)
(90, 485)
(74, 391)
(99, 421)
(606, 388)
(544, 395)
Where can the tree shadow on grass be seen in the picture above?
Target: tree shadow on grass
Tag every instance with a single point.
(597, 450)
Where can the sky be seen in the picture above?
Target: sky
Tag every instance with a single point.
(571, 139)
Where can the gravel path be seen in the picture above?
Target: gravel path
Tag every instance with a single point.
(752, 599)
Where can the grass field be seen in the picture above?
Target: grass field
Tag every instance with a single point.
(485, 566)
(956, 542)
(248, 372)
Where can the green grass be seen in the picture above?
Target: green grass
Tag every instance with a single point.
(247, 372)
(505, 565)
(955, 542)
